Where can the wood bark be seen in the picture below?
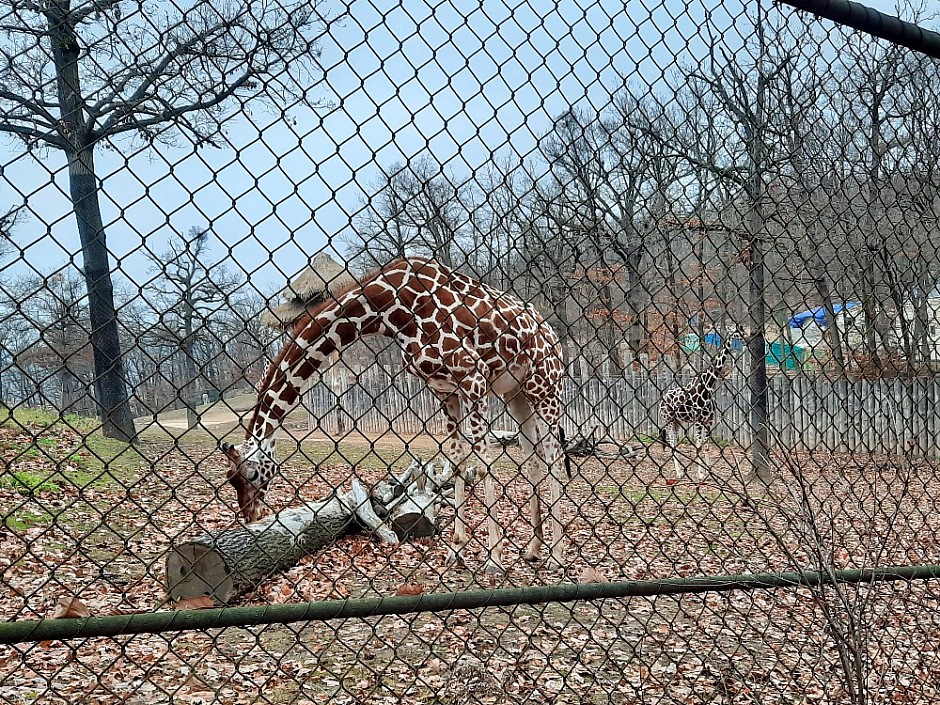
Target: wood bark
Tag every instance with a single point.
(110, 388)
(228, 562)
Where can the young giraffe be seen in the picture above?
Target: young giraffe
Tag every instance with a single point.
(695, 405)
(467, 341)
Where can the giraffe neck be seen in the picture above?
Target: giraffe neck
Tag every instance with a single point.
(708, 379)
(315, 341)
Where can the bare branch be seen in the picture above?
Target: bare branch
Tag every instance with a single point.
(35, 108)
(32, 134)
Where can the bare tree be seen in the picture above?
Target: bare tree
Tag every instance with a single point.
(883, 96)
(415, 208)
(610, 183)
(189, 291)
(500, 213)
(8, 221)
(79, 75)
(743, 89)
(53, 348)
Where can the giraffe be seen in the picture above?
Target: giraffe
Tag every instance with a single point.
(695, 405)
(468, 342)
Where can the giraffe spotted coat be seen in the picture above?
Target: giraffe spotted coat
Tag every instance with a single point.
(468, 341)
(694, 406)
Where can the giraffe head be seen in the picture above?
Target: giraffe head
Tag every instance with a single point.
(250, 471)
(720, 367)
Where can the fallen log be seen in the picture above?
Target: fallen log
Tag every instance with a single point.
(503, 439)
(228, 562)
(416, 515)
(584, 446)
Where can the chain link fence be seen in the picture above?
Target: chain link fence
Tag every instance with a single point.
(601, 341)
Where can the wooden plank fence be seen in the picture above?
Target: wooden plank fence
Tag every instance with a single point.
(806, 412)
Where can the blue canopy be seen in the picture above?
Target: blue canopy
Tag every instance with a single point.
(819, 314)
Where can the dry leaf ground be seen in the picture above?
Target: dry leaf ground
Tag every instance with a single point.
(75, 527)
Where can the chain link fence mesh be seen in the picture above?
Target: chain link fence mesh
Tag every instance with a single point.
(671, 269)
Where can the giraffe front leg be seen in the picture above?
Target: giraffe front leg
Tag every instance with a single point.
(460, 515)
(494, 563)
(457, 458)
(477, 426)
(453, 452)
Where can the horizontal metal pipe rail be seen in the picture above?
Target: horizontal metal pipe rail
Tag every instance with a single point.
(16, 632)
(873, 22)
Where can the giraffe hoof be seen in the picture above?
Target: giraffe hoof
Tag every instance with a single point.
(493, 567)
(554, 565)
(531, 556)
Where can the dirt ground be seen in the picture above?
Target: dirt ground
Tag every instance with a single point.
(104, 540)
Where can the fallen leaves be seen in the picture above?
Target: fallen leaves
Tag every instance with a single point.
(70, 608)
(592, 575)
(623, 521)
(202, 602)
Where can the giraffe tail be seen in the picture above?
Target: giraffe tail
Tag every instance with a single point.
(564, 450)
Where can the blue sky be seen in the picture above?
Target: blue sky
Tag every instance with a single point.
(458, 80)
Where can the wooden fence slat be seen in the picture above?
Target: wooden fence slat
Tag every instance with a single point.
(806, 413)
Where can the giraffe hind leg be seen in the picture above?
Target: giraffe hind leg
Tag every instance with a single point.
(700, 438)
(553, 454)
(522, 413)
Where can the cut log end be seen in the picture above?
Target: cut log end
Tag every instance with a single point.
(194, 569)
(413, 525)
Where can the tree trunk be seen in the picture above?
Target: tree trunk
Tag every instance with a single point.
(835, 337)
(635, 333)
(611, 337)
(110, 387)
(757, 345)
(226, 563)
(560, 295)
(757, 379)
(190, 383)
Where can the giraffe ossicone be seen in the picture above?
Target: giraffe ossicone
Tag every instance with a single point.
(468, 341)
(694, 406)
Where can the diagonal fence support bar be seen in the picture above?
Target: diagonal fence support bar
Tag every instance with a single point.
(186, 620)
(871, 21)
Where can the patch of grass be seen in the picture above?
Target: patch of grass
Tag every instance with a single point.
(25, 482)
(31, 418)
(91, 460)
(660, 497)
(22, 519)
